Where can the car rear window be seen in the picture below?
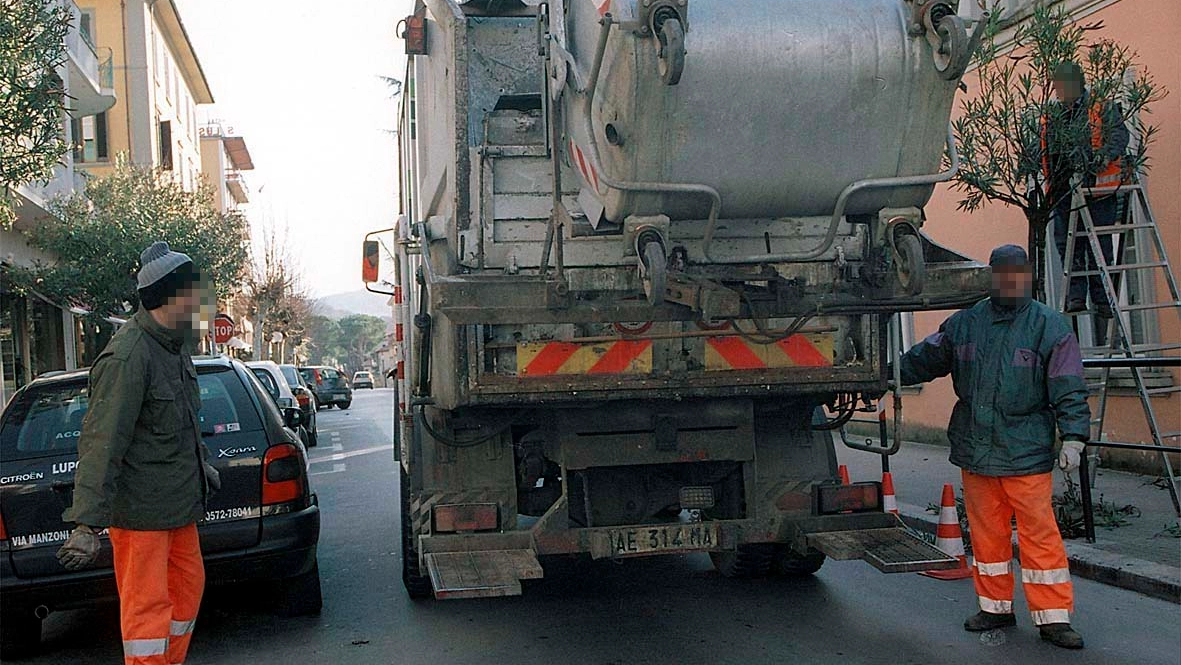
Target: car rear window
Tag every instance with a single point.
(47, 420)
(329, 374)
(264, 377)
(44, 421)
(291, 375)
(225, 404)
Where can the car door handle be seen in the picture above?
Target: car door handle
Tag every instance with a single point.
(62, 485)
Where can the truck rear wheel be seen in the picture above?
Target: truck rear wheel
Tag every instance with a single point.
(418, 586)
(749, 561)
(787, 562)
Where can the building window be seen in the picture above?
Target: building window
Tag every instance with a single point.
(90, 138)
(86, 27)
(165, 137)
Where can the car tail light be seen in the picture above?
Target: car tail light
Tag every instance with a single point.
(3, 529)
(453, 517)
(855, 498)
(283, 477)
(303, 398)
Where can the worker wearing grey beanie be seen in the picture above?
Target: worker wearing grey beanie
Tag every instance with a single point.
(143, 471)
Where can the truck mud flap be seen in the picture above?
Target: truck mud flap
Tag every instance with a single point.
(481, 574)
(890, 550)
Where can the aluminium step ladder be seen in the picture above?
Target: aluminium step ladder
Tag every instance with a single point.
(1120, 342)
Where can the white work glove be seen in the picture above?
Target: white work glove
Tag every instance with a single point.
(80, 550)
(1068, 457)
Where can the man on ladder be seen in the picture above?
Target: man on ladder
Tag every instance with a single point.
(1086, 137)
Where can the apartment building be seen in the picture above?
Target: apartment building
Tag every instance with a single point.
(159, 82)
(224, 156)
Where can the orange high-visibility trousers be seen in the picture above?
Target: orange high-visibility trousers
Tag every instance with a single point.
(161, 577)
(991, 503)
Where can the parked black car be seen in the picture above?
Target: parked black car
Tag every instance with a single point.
(264, 524)
(329, 384)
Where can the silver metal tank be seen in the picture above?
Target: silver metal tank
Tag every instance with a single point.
(781, 105)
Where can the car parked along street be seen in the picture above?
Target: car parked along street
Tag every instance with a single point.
(276, 384)
(264, 523)
(329, 384)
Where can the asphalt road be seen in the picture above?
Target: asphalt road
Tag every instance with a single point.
(662, 610)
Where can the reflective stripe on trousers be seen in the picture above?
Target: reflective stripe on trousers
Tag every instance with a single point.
(991, 503)
(144, 648)
(160, 577)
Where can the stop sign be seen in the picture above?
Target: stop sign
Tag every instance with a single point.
(223, 328)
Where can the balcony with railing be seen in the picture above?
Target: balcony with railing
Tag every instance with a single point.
(91, 79)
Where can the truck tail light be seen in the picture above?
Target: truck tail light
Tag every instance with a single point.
(855, 498)
(283, 478)
(449, 518)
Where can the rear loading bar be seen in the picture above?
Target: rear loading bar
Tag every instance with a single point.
(460, 567)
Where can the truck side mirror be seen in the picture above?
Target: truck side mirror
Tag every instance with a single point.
(369, 261)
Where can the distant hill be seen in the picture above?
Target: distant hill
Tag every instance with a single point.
(354, 302)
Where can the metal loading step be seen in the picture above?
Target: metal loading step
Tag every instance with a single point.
(890, 550)
(483, 574)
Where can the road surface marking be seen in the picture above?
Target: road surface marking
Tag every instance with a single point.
(352, 453)
(336, 468)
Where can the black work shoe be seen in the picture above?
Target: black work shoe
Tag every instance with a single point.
(1061, 635)
(982, 621)
(1076, 306)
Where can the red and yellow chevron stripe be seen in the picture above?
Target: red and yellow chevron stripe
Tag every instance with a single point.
(553, 358)
(731, 352)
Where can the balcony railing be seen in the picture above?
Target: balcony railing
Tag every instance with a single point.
(80, 48)
(106, 68)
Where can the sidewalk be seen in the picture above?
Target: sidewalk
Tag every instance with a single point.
(1138, 556)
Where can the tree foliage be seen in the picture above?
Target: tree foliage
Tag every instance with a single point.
(98, 239)
(999, 131)
(360, 334)
(323, 337)
(32, 95)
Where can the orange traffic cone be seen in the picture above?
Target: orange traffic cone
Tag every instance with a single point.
(843, 472)
(950, 539)
(889, 501)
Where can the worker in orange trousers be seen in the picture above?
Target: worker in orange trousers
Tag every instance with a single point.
(1017, 370)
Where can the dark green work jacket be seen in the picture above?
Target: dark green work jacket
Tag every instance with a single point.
(140, 453)
(1018, 375)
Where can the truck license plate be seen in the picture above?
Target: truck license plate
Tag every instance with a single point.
(671, 538)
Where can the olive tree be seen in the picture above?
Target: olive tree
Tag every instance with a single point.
(999, 131)
(97, 239)
(32, 95)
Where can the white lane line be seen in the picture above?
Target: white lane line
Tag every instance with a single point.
(336, 468)
(352, 453)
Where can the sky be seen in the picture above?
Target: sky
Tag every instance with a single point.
(300, 81)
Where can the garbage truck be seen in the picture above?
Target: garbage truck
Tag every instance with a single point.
(646, 261)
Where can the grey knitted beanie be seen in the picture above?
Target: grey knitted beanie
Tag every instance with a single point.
(157, 261)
